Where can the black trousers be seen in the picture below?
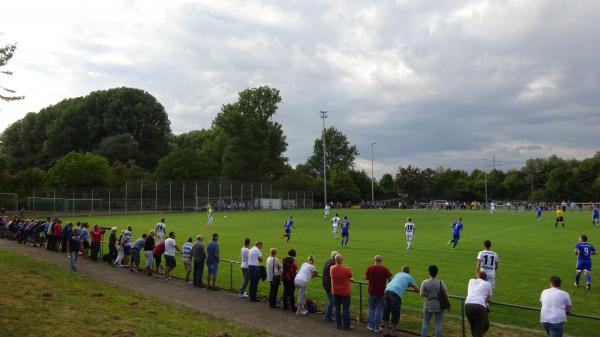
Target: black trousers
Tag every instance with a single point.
(477, 315)
(198, 272)
(95, 250)
(112, 250)
(49, 242)
(288, 295)
(273, 290)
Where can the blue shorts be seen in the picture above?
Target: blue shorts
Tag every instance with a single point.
(345, 234)
(288, 232)
(456, 236)
(126, 250)
(595, 217)
(584, 265)
(212, 268)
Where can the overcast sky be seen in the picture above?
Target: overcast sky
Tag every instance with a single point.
(434, 83)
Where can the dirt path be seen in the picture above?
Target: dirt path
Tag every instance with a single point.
(222, 304)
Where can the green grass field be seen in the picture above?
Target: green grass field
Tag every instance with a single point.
(530, 251)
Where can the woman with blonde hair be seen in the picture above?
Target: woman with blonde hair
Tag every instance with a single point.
(306, 272)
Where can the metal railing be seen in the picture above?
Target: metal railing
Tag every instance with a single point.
(455, 297)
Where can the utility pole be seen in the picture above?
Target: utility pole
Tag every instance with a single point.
(372, 178)
(323, 116)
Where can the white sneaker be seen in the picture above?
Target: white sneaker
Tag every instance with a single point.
(369, 328)
(244, 295)
(301, 312)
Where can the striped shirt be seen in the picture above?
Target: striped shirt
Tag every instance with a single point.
(187, 250)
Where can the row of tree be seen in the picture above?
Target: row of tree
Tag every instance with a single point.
(109, 136)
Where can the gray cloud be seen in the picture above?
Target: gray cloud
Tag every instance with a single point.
(437, 83)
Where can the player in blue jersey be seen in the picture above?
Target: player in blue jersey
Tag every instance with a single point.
(538, 213)
(345, 231)
(289, 223)
(595, 216)
(584, 252)
(457, 227)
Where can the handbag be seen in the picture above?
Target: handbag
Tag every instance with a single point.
(444, 302)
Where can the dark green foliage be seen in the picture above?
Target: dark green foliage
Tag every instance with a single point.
(338, 151)
(78, 169)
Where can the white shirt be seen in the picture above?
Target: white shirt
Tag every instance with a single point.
(488, 260)
(305, 273)
(409, 227)
(160, 228)
(273, 268)
(478, 291)
(253, 256)
(554, 305)
(335, 221)
(244, 254)
(170, 247)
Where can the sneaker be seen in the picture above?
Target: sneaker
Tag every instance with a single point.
(576, 284)
(189, 283)
(369, 328)
(589, 286)
(377, 330)
(244, 295)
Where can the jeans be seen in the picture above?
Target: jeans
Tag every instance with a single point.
(329, 305)
(375, 311)
(245, 279)
(438, 322)
(254, 276)
(198, 271)
(553, 329)
(478, 319)
(73, 257)
(273, 290)
(135, 258)
(95, 250)
(342, 311)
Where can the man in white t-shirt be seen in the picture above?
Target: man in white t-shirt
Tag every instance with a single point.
(492, 207)
(254, 259)
(409, 230)
(487, 261)
(335, 223)
(326, 212)
(170, 249)
(556, 305)
(245, 272)
(161, 228)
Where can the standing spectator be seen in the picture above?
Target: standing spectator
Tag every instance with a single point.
(85, 237)
(120, 250)
(75, 246)
(96, 241)
(326, 279)
(157, 252)
(66, 237)
(341, 276)
(148, 247)
(556, 305)
(479, 294)
(288, 276)
(138, 245)
(274, 275)
(187, 259)
(254, 259)
(199, 255)
(212, 262)
(112, 245)
(306, 272)
(170, 248)
(126, 243)
(377, 275)
(50, 237)
(392, 299)
(58, 235)
(244, 266)
(432, 290)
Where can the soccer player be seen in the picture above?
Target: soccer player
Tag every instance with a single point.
(345, 231)
(289, 223)
(326, 212)
(409, 230)
(560, 217)
(487, 261)
(211, 219)
(457, 227)
(538, 213)
(492, 207)
(335, 222)
(584, 252)
(595, 216)
(161, 229)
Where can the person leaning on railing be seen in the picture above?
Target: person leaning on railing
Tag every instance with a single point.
(479, 294)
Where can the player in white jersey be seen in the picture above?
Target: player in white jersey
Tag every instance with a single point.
(326, 212)
(335, 222)
(161, 228)
(492, 207)
(409, 230)
(211, 218)
(487, 261)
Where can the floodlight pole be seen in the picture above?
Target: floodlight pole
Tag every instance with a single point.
(372, 178)
(323, 116)
(485, 160)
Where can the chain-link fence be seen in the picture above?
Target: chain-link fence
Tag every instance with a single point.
(163, 196)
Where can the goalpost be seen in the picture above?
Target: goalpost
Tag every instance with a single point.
(9, 202)
(63, 205)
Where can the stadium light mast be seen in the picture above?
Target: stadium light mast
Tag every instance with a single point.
(323, 116)
(487, 164)
(372, 178)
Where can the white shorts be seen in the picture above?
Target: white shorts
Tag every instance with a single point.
(334, 229)
(160, 236)
(491, 276)
(149, 258)
(409, 237)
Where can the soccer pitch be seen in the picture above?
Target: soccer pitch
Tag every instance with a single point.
(529, 251)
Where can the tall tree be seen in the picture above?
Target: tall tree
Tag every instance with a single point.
(78, 169)
(386, 186)
(6, 53)
(253, 143)
(338, 151)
